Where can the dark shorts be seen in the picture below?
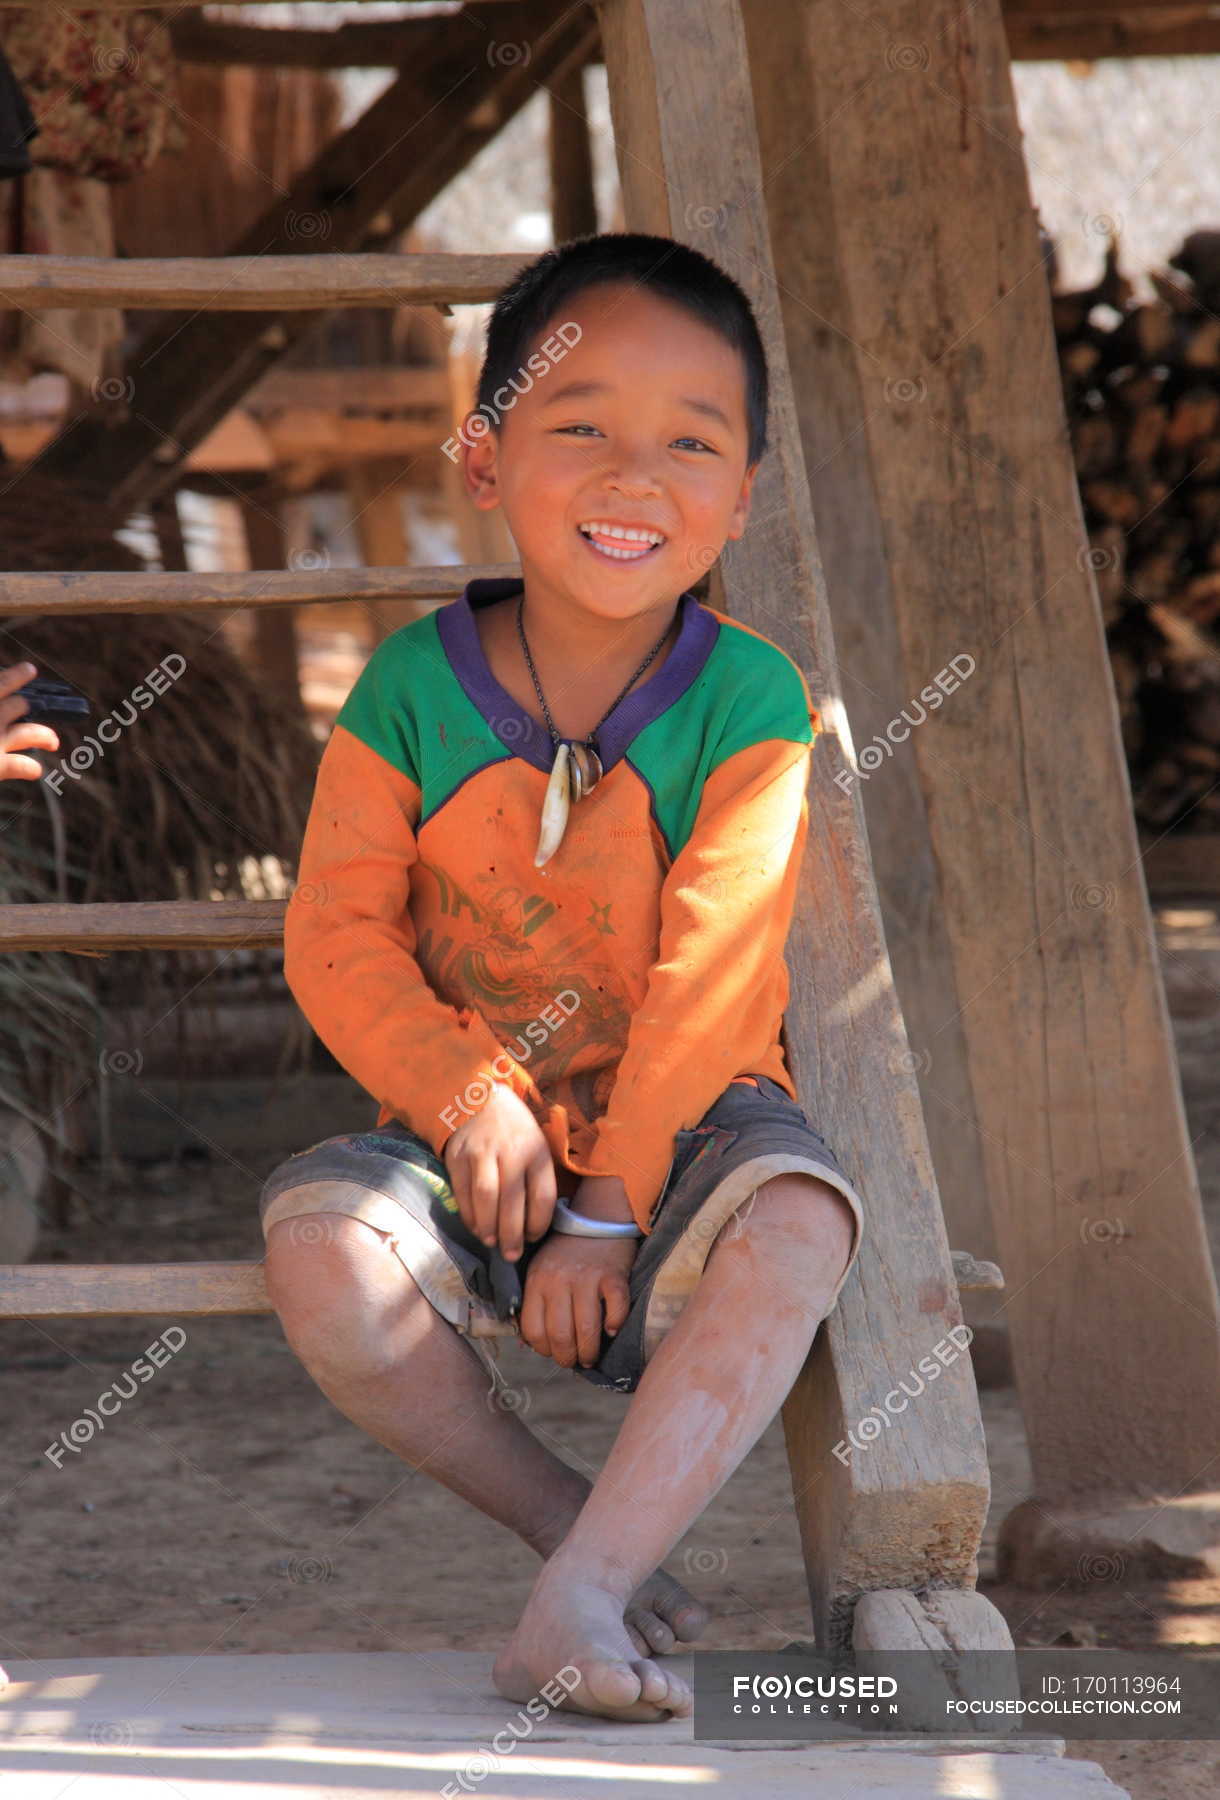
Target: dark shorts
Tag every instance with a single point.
(395, 1183)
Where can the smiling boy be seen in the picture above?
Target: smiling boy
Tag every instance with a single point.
(544, 892)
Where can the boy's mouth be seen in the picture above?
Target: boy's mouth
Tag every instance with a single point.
(621, 543)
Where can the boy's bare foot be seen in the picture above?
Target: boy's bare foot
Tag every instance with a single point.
(662, 1613)
(569, 1624)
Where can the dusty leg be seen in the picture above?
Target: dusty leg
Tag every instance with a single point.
(383, 1355)
(714, 1384)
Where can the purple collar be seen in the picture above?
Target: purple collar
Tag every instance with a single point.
(527, 737)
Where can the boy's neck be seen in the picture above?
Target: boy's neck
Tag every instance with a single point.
(568, 636)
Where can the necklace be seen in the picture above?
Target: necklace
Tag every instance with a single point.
(577, 768)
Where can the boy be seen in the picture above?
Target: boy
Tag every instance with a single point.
(544, 891)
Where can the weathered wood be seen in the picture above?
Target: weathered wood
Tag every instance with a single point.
(909, 1509)
(573, 198)
(1092, 1187)
(828, 385)
(1184, 31)
(101, 926)
(367, 389)
(188, 375)
(115, 1290)
(108, 592)
(253, 284)
(943, 1624)
(140, 1290)
(356, 44)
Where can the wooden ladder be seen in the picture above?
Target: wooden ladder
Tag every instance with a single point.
(891, 1504)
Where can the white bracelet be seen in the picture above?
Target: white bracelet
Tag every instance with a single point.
(574, 1224)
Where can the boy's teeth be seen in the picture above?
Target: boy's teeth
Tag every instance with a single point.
(626, 543)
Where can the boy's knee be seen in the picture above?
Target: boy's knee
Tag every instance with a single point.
(335, 1282)
(794, 1216)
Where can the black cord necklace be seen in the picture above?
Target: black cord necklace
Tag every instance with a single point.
(577, 768)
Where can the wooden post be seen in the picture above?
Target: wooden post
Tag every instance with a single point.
(274, 627)
(830, 400)
(919, 317)
(374, 493)
(573, 201)
(903, 1506)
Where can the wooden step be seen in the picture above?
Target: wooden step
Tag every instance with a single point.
(255, 283)
(189, 1290)
(185, 591)
(101, 926)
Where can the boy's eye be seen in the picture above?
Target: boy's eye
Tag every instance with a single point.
(697, 443)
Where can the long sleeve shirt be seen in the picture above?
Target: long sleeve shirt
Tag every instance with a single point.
(620, 988)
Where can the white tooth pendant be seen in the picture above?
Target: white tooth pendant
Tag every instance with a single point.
(555, 808)
(585, 769)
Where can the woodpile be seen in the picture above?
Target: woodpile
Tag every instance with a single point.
(1142, 390)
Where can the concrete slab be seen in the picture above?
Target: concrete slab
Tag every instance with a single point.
(343, 1727)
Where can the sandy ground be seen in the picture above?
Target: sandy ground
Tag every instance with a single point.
(228, 1507)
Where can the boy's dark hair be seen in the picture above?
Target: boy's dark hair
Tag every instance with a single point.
(674, 271)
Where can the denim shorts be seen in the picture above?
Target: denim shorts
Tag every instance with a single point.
(394, 1182)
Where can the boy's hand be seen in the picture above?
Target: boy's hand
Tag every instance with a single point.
(570, 1283)
(502, 1174)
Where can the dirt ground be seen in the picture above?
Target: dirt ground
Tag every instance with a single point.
(228, 1507)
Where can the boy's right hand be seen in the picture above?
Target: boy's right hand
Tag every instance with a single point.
(502, 1174)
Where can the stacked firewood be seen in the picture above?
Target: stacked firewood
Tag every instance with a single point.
(1142, 390)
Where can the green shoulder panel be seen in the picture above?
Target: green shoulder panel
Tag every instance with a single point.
(748, 691)
(408, 706)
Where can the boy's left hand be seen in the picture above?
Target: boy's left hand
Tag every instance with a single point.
(569, 1284)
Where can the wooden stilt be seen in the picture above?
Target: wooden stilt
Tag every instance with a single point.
(936, 436)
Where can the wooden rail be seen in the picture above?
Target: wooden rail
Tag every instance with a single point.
(192, 1290)
(255, 283)
(107, 592)
(101, 926)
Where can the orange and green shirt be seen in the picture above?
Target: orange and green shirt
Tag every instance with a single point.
(620, 988)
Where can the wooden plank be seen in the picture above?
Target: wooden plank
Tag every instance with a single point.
(356, 44)
(109, 592)
(253, 284)
(113, 1290)
(116, 1290)
(1087, 1158)
(389, 165)
(908, 1511)
(1087, 39)
(97, 927)
(368, 388)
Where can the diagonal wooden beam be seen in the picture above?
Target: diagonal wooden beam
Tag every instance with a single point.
(394, 160)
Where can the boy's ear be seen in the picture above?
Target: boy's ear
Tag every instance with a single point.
(741, 511)
(480, 452)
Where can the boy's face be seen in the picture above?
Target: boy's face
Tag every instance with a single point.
(657, 439)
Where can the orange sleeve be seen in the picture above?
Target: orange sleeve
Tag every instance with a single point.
(349, 953)
(718, 987)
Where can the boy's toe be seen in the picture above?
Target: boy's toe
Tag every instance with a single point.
(656, 1634)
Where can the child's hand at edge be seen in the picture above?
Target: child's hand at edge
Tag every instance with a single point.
(13, 735)
(502, 1174)
(570, 1280)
